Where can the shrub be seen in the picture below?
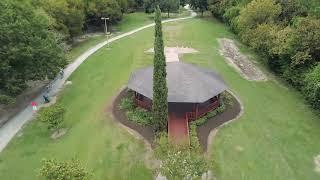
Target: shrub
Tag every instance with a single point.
(136, 114)
(140, 116)
(54, 170)
(183, 164)
(6, 100)
(127, 104)
(209, 115)
(311, 88)
(194, 141)
(179, 162)
(53, 116)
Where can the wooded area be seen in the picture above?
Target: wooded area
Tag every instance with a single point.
(285, 32)
(34, 35)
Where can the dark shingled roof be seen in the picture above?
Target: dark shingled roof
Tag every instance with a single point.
(186, 83)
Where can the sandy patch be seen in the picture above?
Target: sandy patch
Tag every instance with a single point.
(317, 163)
(173, 53)
(239, 61)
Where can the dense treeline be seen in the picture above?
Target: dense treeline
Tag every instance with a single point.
(33, 34)
(286, 32)
(167, 6)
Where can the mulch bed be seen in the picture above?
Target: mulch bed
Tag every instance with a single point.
(145, 131)
(230, 113)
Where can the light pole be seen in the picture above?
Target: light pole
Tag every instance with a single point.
(105, 23)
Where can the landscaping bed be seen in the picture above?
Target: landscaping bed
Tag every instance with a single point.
(120, 115)
(230, 112)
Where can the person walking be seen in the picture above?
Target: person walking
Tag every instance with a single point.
(46, 98)
(61, 73)
(34, 106)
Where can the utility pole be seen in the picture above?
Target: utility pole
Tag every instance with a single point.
(106, 26)
(105, 23)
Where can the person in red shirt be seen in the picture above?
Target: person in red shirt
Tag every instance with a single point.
(34, 105)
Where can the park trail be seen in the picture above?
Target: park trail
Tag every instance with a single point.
(12, 127)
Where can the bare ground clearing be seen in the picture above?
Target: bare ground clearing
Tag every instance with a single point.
(240, 62)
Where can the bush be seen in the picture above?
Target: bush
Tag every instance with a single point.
(135, 114)
(209, 115)
(54, 170)
(183, 164)
(127, 104)
(179, 162)
(53, 116)
(140, 116)
(311, 88)
(6, 100)
(194, 141)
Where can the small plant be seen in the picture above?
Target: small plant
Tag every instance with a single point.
(6, 100)
(54, 170)
(127, 104)
(53, 116)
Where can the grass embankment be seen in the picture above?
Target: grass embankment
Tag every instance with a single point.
(276, 138)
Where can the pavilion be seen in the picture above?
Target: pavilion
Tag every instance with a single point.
(192, 92)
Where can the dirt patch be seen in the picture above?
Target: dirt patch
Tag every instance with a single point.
(239, 61)
(205, 130)
(59, 133)
(174, 53)
(22, 101)
(145, 131)
(317, 163)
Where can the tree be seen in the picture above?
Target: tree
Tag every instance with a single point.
(67, 15)
(311, 88)
(258, 12)
(53, 170)
(53, 116)
(160, 90)
(201, 5)
(29, 50)
(124, 5)
(103, 8)
(169, 6)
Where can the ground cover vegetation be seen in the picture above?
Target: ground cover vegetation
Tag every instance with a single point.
(286, 33)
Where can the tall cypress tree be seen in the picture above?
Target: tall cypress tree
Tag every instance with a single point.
(160, 90)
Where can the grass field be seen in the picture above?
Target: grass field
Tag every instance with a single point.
(276, 138)
(129, 22)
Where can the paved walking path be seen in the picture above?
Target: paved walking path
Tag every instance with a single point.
(9, 130)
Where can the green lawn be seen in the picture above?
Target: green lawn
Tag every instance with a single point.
(129, 22)
(278, 133)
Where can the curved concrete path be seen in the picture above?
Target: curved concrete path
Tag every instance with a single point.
(10, 129)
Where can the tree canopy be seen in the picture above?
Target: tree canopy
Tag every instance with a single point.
(29, 50)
